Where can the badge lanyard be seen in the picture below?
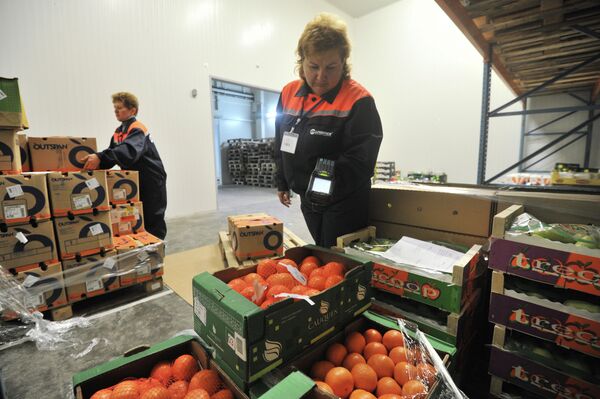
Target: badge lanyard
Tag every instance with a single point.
(305, 114)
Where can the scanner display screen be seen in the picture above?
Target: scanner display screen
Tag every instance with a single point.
(321, 185)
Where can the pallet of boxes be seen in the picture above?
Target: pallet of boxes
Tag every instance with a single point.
(545, 301)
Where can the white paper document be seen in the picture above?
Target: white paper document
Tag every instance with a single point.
(423, 254)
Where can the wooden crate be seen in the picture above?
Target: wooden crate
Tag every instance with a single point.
(290, 240)
(443, 291)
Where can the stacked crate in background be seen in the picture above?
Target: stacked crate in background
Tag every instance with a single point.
(544, 306)
(251, 162)
(384, 171)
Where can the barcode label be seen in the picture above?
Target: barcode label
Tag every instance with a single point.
(92, 183)
(200, 310)
(119, 193)
(143, 269)
(240, 346)
(94, 285)
(96, 229)
(124, 227)
(30, 280)
(82, 201)
(34, 301)
(115, 216)
(296, 274)
(143, 255)
(15, 211)
(109, 263)
(14, 191)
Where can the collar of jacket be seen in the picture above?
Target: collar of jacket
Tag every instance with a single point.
(125, 125)
(330, 96)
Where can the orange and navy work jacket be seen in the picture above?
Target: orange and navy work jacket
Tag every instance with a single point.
(343, 125)
(132, 148)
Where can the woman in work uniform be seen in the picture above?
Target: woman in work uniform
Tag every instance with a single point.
(327, 115)
(132, 148)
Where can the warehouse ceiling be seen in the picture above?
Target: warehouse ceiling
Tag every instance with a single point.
(534, 40)
(359, 8)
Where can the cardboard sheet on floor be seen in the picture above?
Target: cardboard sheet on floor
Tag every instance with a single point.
(181, 267)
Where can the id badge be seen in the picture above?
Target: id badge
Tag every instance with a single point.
(288, 144)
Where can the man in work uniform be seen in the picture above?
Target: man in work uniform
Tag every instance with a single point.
(132, 148)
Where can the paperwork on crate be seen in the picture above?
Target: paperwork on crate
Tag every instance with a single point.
(423, 254)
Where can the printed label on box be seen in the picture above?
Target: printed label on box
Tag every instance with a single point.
(92, 183)
(34, 301)
(93, 285)
(145, 269)
(82, 201)
(14, 191)
(240, 346)
(96, 229)
(143, 255)
(124, 227)
(119, 194)
(21, 237)
(200, 310)
(110, 263)
(30, 280)
(15, 211)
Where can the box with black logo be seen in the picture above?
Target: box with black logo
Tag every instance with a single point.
(257, 238)
(127, 218)
(91, 276)
(10, 154)
(27, 245)
(123, 186)
(83, 235)
(76, 193)
(63, 154)
(23, 198)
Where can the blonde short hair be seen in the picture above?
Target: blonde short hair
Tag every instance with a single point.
(128, 100)
(325, 32)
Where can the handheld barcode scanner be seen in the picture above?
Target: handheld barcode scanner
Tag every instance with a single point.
(320, 186)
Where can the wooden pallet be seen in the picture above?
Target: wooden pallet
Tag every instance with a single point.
(290, 240)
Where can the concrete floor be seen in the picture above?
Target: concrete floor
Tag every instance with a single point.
(201, 229)
(117, 328)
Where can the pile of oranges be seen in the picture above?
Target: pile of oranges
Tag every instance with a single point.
(273, 277)
(371, 366)
(181, 379)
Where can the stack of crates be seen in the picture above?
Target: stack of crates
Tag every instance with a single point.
(251, 162)
(384, 171)
(544, 306)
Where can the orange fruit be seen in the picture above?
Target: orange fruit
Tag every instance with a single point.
(156, 393)
(336, 354)
(361, 394)
(333, 280)
(388, 385)
(237, 284)
(352, 359)
(126, 390)
(276, 290)
(392, 396)
(383, 365)
(197, 394)
(207, 380)
(268, 302)
(248, 293)
(311, 292)
(319, 370)
(184, 367)
(250, 277)
(413, 388)
(341, 381)
(426, 373)
(374, 348)
(102, 394)
(324, 387)
(334, 268)
(355, 342)
(320, 272)
(145, 384)
(364, 377)
(299, 289)
(311, 259)
(372, 335)
(178, 389)
(392, 339)
(280, 266)
(223, 394)
(404, 372)
(266, 267)
(281, 279)
(308, 267)
(399, 354)
(317, 282)
(162, 372)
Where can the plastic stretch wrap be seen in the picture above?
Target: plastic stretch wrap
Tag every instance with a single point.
(23, 292)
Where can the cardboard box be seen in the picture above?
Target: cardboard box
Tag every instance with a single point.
(232, 219)
(44, 287)
(552, 321)
(139, 365)
(257, 238)
(10, 154)
(23, 198)
(59, 153)
(136, 264)
(25, 158)
(83, 235)
(123, 186)
(77, 193)
(127, 218)
(91, 276)
(12, 111)
(449, 292)
(249, 342)
(36, 245)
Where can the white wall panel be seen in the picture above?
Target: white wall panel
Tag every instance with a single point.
(71, 55)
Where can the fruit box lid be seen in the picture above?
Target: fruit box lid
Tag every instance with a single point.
(138, 363)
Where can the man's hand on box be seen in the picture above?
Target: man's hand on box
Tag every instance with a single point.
(92, 162)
